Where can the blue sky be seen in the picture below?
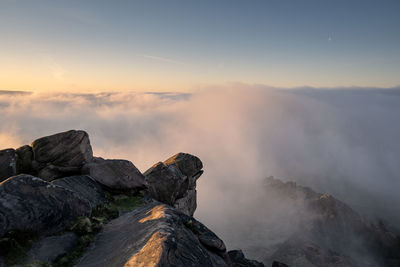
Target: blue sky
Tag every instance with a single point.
(178, 45)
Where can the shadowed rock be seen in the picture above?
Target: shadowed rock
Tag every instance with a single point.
(115, 174)
(239, 260)
(25, 157)
(28, 203)
(8, 161)
(174, 181)
(155, 235)
(85, 187)
(50, 248)
(66, 149)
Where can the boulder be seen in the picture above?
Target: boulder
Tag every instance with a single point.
(28, 203)
(8, 162)
(85, 187)
(115, 174)
(174, 181)
(187, 204)
(24, 162)
(49, 248)
(239, 260)
(51, 172)
(66, 149)
(155, 235)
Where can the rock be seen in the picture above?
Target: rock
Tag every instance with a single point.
(174, 181)
(28, 203)
(187, 204)
(279, 264)
(164, 182)
(50, 248)
(1, 262)
(24, 162)
(85, 187)
(8, 162)
(51, 172)
(155, 235)
(239, 260)
(66, 149)
(115, 174)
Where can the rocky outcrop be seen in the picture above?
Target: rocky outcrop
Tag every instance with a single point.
(333, 234)
(85, 187)
(239, 260)
(119, 175)
(66, 149)
(8, 162)
(28, 203)
(49, 248)
(25, 158)
(174, 181)
(156, 235)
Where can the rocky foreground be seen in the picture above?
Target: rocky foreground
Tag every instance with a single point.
(61, 206)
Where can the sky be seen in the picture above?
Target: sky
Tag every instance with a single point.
(171, 45)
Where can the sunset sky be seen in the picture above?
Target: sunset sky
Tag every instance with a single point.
(170, 45)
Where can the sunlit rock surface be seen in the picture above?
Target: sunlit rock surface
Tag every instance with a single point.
(28, 203)
(156, 235)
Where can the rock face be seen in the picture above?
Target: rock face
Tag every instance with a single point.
(333, 235)
(66, 149)
(8, 162)
(115, 174)
(50, 248)
(85, 187)
(25, 158)
(239, 260)
(174, 181)
(156, 235)
(31, 204)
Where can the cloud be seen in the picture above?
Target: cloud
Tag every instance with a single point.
(342, 141)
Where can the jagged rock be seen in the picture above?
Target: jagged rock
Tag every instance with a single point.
(155, 235)
(187, 204)
(115, 174)
(66, 149)
(50, 248)
(28, 203)
(8, 162)
(25, 157)
(174, 181)
(85, 187)
(51, 172)
(239, 260)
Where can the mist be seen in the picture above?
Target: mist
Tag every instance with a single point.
(341, 141)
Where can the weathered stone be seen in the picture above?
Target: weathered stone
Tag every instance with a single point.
(115, 174)
(155, 235)
(28, 203)
(24, 162)
(174, 181)
(51, 172)
(164, 182)
(50, 248)
(8, 162)
(85, 187)
(239, 260)
(187, 204)
(66, 149)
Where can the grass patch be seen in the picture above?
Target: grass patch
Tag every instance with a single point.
(15, 245)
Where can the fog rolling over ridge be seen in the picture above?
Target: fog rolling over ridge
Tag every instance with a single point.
(341, 142)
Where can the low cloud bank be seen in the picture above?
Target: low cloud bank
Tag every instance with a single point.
(340, 141)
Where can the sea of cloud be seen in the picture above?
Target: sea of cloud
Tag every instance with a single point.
(342, 141)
